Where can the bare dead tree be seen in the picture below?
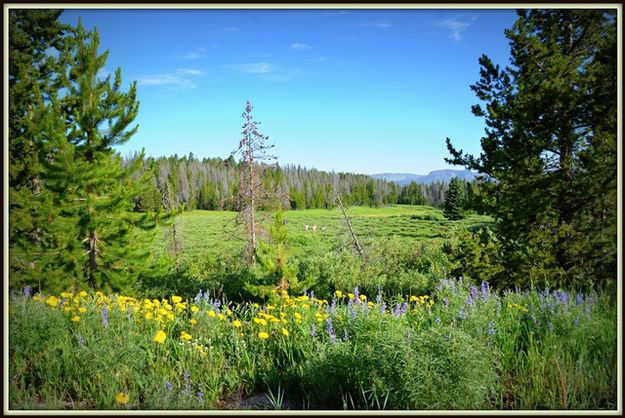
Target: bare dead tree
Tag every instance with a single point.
(253, 152)
(355, 241)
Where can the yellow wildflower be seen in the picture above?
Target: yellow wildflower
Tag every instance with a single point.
(195, 309)
(236, 323)
(122, 398)
(413, 298)
(370, 304)
(170, 316)
(52, 301)
(36, 298)
(160, 337)
(260, 321)
(350, 295)
(76, 318)
(82, 309)
(176, 299)
(338, 294)
(297, 316)
(192, 321)
(285, 293)
(363, 297)
(211, 314)
(228, 312)
(185, 336)
(67, 308)
(285, 332)
(83, 294)
(263, 335)
(221, 317)
(148, 315)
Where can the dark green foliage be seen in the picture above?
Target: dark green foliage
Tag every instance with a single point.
(454, 201)
(550, 145)
(34, 38)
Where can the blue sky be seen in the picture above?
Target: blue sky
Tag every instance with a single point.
(363, 91)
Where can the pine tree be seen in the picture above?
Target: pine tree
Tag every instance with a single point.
(253, 151)
(454, 200)
(551, 145)
(101, 242)
(33, 73)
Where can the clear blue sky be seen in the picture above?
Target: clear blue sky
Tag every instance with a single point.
(364, 91)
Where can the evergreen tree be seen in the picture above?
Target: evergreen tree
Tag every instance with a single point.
(100, 241)
(33, 72)
(551, 145)
(454, 201)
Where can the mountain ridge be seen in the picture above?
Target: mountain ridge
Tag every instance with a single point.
(444, 175)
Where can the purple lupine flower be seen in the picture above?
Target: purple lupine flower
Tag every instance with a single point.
(397, 310)
(462, 314)
(198, 297)
(576, 322)
(63, 300)
(445, 302)
(206, 296)
(345, 335)
(200, 394)
(168, 385)
(27, 290)
(333, 306)
(517, 290)
(80, 340)
(564, 297)
(473, 292)
(312, 295)
(105, 315)
(579, 299)
(356, 295)
(485, 290)
(330, 331)
(404, 308)
(491, 328)
(383, 307)
(453, 286)
(469, 300)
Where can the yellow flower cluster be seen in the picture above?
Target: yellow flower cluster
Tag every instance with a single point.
(517, 306)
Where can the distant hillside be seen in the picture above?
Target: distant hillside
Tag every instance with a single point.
(432, 177)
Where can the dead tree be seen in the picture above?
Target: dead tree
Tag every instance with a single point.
(253, 153)
(361, 253)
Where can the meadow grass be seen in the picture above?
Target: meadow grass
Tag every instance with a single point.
(460, 347)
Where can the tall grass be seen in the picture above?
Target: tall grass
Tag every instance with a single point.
(460, 347)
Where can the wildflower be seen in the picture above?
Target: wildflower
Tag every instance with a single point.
(330, 331)
(26, 291)
(462, 314)
(345, 335)
(350, 296)
(263, 335)
(36, 298)
(185, 336)
(491, 328)
(82, 309)
(211, 314)
(221, 317)
(148, 315)
(176, 299)
(228, 312)
(285, 332)
(485, 289)
(370, 304)
(445, 302)
(579, 299)
(168, 384)
(363, 298)
(105, 315)
(52, 301)
(195, 309)
(413, 298)
(338, 294)
(469, 300)
(198, 297)
(356, 295)
(76, 318)
(236, 323)
(437, 320)
(576, 322)
(260, 321)
(80, 340)
(160, 337)
(122, 398)
(297, 316)
(383, 307)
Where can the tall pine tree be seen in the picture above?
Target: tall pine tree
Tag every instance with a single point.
(551, 145)
(99, 241)
(454, 200)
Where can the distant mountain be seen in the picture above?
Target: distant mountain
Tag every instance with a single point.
(434, 176)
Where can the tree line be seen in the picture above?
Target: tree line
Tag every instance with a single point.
(213, 184)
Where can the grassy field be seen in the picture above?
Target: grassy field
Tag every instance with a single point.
(202, 231)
